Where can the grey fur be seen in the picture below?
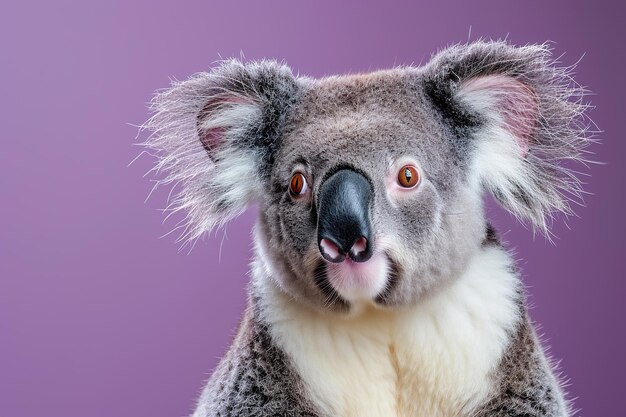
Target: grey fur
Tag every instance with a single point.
(526, 386)
(261, 116)
(255, 378)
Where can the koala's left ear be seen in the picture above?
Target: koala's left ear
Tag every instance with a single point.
(215, 136)
(521, 118)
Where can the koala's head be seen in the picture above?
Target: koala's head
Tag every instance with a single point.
(370, 186)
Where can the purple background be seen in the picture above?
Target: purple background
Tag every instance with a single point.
(100, 317)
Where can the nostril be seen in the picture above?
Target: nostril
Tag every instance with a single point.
(361, 250)
(330, 251)
(359, 246)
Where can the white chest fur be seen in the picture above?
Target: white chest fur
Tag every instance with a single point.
(428, 360)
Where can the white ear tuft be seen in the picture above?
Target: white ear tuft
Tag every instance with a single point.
(509, 110)
(508, 103)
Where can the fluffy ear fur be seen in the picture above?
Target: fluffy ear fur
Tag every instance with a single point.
(524, 117)
(215, 136)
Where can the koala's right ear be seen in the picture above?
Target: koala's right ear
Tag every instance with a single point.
(215, 135)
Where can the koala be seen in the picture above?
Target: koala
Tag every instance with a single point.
(378, 285)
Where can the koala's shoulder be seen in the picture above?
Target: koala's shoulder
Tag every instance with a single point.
(525, 384)
(255, 378)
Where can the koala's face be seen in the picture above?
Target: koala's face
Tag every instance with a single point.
(413, 204)
(370, 186)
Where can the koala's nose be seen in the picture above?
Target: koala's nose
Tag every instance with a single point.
(343, 225)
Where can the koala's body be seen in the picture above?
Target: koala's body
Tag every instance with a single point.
(378, 287)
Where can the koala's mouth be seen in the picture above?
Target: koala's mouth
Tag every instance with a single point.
(351, 282)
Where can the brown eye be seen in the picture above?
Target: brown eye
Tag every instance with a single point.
(408, 176)
(298, 185)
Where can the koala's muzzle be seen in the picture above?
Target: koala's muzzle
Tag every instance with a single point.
(343, 224)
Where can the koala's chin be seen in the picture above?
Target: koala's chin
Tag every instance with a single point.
(370, 189)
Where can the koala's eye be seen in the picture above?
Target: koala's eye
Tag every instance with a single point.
(298, 185)
(408, 176)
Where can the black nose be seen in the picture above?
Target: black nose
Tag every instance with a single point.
(343, 226)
